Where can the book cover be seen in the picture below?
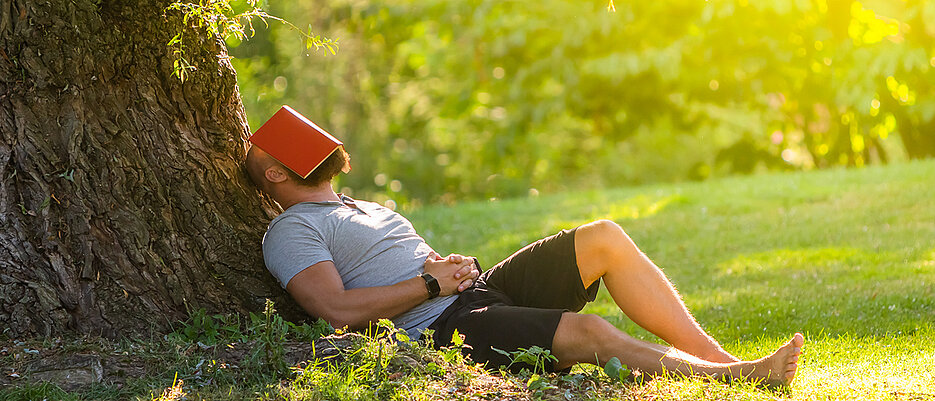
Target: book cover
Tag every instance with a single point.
(295, 141)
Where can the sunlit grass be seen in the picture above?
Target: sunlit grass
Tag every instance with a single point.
(897, 366)
(846, 257)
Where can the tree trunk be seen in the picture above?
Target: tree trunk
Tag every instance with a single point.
(123, 201)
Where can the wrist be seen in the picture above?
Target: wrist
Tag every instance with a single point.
(431, 285)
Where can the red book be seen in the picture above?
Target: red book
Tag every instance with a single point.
(295, 141)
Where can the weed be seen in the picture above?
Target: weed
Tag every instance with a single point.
(208, 329)
(454, 353)
(266, 333)
(534, 356)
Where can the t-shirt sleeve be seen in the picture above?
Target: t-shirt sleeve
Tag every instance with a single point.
(290, 246)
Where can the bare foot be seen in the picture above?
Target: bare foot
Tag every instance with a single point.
(780, 367)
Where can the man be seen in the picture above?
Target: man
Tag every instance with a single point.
(353, 262)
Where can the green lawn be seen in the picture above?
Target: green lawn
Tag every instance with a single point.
(847, 257)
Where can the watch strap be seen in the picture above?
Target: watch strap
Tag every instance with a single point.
(431, 284)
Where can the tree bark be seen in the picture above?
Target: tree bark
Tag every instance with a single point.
(123, 201)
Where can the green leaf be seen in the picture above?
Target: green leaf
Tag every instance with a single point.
(457, 339)
(616, 370)
(401, 336)
(434, 369)
(536, 382)
(386, 324)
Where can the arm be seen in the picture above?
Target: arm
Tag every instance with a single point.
(320, 291)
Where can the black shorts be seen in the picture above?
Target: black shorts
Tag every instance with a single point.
(517, 303)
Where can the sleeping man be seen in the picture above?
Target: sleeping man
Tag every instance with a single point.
(354, 262)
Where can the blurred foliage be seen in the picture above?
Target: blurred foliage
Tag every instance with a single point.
(439, 100)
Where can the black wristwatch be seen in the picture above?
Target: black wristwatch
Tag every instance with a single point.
(431, 284)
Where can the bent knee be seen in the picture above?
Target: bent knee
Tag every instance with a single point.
(586, 328)
(601, 226)
(602, 235)
(580, 336)
(594, 326)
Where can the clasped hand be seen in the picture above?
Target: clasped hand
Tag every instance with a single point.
(454, 273)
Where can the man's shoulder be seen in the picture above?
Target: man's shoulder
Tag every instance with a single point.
(310, 219)
(287, 218)
(294, 221)
(290, 230)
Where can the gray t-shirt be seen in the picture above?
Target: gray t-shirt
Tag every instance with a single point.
(370, 246)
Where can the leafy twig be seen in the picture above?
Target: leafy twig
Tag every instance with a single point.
(220, 19)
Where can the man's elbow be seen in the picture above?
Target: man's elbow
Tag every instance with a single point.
(341, 320)
(341, 324)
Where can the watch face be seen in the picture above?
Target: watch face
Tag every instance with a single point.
(431, 284)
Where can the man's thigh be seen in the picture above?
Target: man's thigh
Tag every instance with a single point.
(543, 274)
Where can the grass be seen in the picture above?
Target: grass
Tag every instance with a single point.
(845, 256)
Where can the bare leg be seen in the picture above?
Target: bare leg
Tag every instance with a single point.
(641, 290)
(580, 337)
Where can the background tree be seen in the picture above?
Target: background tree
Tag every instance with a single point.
(443, 100)
(122, 198)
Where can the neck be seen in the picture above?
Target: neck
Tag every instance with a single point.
(297, 194)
